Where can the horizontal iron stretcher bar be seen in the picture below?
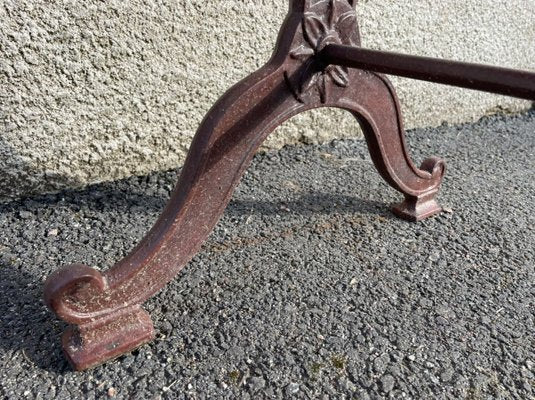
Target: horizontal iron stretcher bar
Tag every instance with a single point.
(486, 78)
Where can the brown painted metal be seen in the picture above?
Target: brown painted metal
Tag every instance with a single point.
(105, 307)
(487, 78)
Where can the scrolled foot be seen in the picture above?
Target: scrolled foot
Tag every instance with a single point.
(69, 290)
(421, 206)
(104, 326)
(436, 167)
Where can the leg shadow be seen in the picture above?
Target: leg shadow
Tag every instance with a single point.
(29, 334)
(311, 204)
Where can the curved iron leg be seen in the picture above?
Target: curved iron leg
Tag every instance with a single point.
(106, 307)
(372, 100)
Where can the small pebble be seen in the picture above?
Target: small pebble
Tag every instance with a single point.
(387, 383)
(25, 214)
(292, 388)
(256, 383)
(446, 375)
(53, 232)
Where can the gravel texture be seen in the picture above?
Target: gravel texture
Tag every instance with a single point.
(308, 288)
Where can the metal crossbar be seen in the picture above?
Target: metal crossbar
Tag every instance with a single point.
(505, 81)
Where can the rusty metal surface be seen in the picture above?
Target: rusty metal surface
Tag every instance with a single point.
(105, 307)
(487, 78)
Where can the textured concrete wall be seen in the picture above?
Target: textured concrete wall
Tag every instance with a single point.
(94, 90)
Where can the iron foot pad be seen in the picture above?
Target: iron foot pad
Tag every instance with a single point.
(418, 208)
(90, 345)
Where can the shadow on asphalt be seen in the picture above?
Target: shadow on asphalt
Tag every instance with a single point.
(105, 196)
(311, 204)
(33, 331)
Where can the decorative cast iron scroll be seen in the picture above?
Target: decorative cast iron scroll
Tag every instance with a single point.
(324, 23)
(317, 62)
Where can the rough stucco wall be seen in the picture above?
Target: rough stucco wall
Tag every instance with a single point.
(95, 90)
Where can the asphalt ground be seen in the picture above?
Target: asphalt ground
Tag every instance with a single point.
(308, 287)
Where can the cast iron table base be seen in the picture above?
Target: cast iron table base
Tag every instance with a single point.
(315, 64)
